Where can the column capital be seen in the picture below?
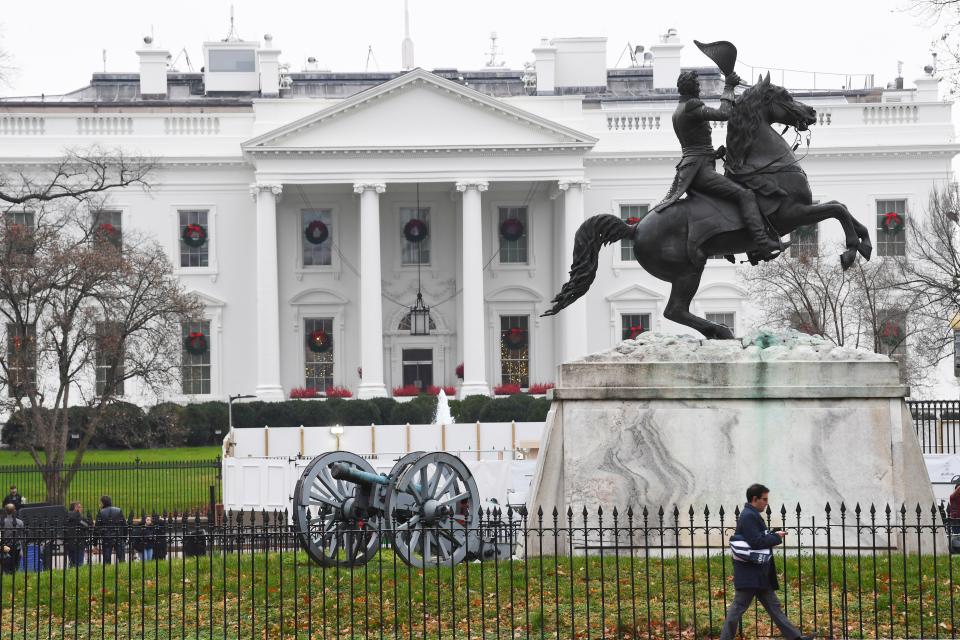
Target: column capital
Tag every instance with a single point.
(479, 185)
(360, 187)
(274, 187)
(565, 183)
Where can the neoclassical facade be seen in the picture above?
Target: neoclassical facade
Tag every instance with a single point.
(327, 201)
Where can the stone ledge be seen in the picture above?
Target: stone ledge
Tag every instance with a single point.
(729, 393)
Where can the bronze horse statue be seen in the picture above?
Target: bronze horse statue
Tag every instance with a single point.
(673, 244)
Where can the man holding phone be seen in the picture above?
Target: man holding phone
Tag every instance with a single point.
(757, 580)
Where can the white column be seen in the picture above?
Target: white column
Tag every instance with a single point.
(474, 326)
(268, 293)
(371, 310)
(573, 319)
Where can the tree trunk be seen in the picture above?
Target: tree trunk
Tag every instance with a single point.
(56, 487)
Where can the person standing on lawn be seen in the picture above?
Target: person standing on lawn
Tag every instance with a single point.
(112, 529)
(75, 534)
(13, 498)
(752, 580)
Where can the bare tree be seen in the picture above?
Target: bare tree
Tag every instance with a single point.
(943, 16)
(930, 279)
(85, 310)
(860, 307)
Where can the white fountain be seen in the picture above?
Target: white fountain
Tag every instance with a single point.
(442, 416)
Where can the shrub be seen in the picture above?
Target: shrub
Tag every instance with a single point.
(385, 407)
(428, 404)
(245, 414)
(406, 391)
(455, 409)
(434, 390)
(358, 412)
(203, 420)
(506, 389)
(338, 392)
(537, 410)
(279, 414)
(412, 412)
(303, 392)
(470, 408)
(167, 426)
(540, 388)
(122, 426)
(506, 409)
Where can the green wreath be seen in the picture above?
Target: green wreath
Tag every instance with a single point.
(194, 235)
(195, 343)
(892, 222)
(319, 341)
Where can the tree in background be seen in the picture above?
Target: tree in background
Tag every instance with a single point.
(85, 310)
(861, 307)
(930, 278)
(943, 16)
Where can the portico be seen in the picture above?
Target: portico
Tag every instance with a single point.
(366, 155)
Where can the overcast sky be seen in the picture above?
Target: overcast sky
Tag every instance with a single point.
(56, 44)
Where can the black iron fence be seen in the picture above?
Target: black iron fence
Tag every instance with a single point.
(599, 573)
(937, 423)
(134, 486)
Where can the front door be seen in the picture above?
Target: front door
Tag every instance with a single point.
(418, 368)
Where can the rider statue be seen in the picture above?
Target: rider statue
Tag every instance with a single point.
(696, 169)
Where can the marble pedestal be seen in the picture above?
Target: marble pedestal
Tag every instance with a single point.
(678, 422)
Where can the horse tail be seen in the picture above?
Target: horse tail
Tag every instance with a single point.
(593, 234)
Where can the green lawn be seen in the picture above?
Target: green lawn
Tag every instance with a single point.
(277, 594)
(166, 479)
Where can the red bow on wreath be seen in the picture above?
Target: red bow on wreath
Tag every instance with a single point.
(319, 341)
(633, 220)
(196, 343)
(635, 331)
(107, 229)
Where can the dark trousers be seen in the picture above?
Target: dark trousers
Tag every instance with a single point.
(75, 555)
(109, 548)
(767, 598)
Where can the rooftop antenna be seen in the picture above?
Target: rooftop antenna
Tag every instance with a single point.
(407, 47)
(494, 51)
(370, 56)
(104, 60)
(232, 34)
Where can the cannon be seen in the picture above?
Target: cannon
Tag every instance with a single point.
(428, 505)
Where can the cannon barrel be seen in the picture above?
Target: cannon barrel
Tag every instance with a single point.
(344, 471)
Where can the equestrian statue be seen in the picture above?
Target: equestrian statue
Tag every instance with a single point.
(762, 195)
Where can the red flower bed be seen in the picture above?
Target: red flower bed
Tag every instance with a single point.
(459, 371)
(506, 389)
(298, 393)
(434, 390)
(338, 392)
(540, 388)
(406, 391)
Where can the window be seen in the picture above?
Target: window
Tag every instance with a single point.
(316, 236)
(513, 250)
(892, 332)
(633, 324)
(515, 350)
(415, 252)
(21, 359)
(891, 235)
(627, 212)
(226, 60)
(727, 319)
(19, 229)
(109, 358)
(404, 324)
(107, 228)
(318, 353)
(417, 367)
(805, 322)
(195, 367)
(805, 242)
(194, 238)
(956, 352)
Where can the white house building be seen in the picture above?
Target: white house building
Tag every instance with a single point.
(302, 186)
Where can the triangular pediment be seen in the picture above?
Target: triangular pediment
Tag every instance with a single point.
(420, 110)
(634, 292)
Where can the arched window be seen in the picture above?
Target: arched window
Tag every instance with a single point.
(405, 323)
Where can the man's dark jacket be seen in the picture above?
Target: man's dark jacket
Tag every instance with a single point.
(15, 500)
(747, 575)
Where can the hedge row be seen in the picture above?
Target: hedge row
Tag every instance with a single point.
(127, 426)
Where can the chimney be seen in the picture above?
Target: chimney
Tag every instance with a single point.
(666, 60)
(153, 70)
(545, 62)
(269, 68)
(928, 88)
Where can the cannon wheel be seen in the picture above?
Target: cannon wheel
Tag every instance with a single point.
(432, 510)
(332, 530)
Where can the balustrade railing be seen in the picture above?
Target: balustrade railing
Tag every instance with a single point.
(105, 125)
(191, 125)
(12, 125)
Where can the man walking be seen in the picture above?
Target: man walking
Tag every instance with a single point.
(757, 580)
(112, 529)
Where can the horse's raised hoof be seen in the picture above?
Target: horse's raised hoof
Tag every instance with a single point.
(865, 248)
(847, 258)
(718, 332)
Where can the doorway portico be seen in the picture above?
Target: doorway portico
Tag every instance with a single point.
(370, 150)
